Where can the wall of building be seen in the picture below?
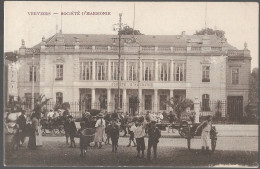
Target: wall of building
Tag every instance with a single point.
(242, 88)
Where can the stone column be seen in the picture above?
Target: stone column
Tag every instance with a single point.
(156, 71)
(124, 100)
(140, 100)
(171, 96)
(75, 94)
(93, 70)
(109, 70)
(125, 67)
(109, 105)
(93, 98)
(197, 110)
(155, 100)
(140, 71)
(172, 71)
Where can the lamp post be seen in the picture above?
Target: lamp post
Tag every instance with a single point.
(32, 106)
(118, 27)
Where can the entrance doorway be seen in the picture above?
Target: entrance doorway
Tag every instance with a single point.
(133, 105)
(235, 108)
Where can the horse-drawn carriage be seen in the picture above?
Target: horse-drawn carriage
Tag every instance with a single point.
(186, 128)
(53, 125)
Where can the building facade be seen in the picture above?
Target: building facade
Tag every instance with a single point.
(153, 69)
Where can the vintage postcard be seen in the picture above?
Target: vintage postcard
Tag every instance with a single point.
(131, 84)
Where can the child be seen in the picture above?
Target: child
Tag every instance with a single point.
(205, 135)
(139, 134)
(114, 131)
(72, 131)
(131, 132)
(153, 139)
(83, 145)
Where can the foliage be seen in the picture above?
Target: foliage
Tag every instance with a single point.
(129, 31)
(179, 105)
(42, 100)
(219, 33)
(253, 87)
(64, 106)
(218, 110)
(251, 114)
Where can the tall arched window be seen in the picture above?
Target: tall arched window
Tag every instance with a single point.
(59, 97)
(205, 102)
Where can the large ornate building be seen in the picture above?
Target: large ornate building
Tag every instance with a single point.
(81, 67)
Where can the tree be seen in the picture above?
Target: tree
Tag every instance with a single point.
(129, 31)
(252, 108)
(179, 105)
(253, 86)
(219, 33)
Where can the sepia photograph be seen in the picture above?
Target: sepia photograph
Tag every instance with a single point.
(130, 84)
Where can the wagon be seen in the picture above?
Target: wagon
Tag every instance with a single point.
(56, 126)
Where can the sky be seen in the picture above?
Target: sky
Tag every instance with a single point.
(239, 20)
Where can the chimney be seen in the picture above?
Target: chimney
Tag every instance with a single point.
(183, 33)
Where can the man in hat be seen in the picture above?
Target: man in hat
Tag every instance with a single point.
(153, 139)
(205, 135)
(114, 134)
(72, 130)
(139, 134)
(21, 121)
(100, 130)
(131, 133)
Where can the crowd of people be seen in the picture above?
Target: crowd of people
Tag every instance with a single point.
(107, 126)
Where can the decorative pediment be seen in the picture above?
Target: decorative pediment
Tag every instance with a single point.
(206, 60)
(59, 59)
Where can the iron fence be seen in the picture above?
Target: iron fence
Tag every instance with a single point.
(214, 108)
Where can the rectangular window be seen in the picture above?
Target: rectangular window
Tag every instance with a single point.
(132, 71)
(59, 72)
(163, 100)
(114, 70)
(180, 72)
(205, 73)
(32, 69)
(205, 103)
(101, 71)
(235, 75)
(86, 70)
(164, 71)
(147, 71)
(148, 102)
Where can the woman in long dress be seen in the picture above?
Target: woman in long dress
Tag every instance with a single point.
(100, 130)
(34, 130)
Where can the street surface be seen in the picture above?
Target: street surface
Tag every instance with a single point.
(171, 152)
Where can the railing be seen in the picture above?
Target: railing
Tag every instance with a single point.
(101, 48)
(213, 108)
(142, 49)
(238, 53)
(164, 49)
(31, 50)
(196, 49)
(69, 47)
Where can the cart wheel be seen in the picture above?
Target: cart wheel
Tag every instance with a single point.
(62, 132)
(56, 131)
(213, 144)
(43, 132)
